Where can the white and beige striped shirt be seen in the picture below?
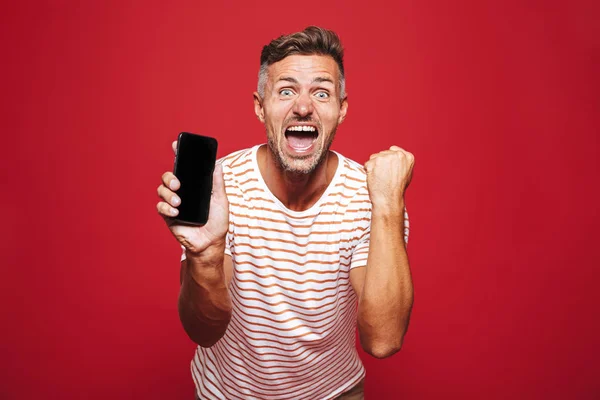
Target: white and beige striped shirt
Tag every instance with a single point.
(292, 331)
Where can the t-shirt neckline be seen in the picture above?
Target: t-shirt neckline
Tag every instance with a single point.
(311, 209)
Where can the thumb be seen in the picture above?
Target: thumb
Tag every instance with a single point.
(218, 182)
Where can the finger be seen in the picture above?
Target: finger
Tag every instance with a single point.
(399, 152)
(174, 146)
(166, 210)
(170, 181)
(383, 153)
(409, 156)
(376, 155)
(168, 196)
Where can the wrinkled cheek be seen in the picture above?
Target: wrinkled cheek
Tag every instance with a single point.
(271, 131)
(274, 137)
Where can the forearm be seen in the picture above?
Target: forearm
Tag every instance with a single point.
(204, 301)
(387, 296)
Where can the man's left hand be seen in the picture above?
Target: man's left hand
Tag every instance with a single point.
(388, 176)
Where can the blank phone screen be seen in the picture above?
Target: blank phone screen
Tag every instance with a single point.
(194, 167)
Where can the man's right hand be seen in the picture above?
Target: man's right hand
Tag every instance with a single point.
(195, 239)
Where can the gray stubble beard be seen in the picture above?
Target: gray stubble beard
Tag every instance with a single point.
(278, 155)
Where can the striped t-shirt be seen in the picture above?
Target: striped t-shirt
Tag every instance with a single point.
(292, 330)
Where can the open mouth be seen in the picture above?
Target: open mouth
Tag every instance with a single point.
(301, 137)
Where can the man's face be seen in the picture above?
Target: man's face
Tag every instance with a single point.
(301, 110)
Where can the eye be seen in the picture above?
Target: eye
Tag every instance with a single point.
(322, 95)
(286, 92)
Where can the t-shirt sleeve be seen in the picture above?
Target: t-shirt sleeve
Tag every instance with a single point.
(361, 251)
(229, 237)
(361, 228)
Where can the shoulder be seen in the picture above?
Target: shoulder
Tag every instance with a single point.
(353, 175)
(236, 159)
(353, 182)
(238, 165)
(353, 169)
(239, 172)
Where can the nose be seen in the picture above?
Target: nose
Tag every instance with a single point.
(303, 105)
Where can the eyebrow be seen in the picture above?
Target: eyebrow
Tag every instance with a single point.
(288, 79)
(318, 79)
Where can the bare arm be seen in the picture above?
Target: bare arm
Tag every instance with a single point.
(204, 302)
(384, 287)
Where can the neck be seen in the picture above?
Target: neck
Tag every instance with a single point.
(298, 192)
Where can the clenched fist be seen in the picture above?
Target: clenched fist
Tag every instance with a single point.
(388, 175)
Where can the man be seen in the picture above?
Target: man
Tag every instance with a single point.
(297, 237)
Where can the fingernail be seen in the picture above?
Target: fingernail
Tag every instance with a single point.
(173, 211)
(172, 184)
(175, 200)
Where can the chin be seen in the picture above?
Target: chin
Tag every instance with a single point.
(303, 167)
(296, 164)
(299, 165)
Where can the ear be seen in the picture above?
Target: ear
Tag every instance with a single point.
(258, 107)
(343, 110)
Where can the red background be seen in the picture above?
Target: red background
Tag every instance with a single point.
(498, 101)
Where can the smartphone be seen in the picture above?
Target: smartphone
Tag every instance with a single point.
(194, 167)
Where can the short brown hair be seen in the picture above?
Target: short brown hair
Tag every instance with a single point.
(312, 40)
